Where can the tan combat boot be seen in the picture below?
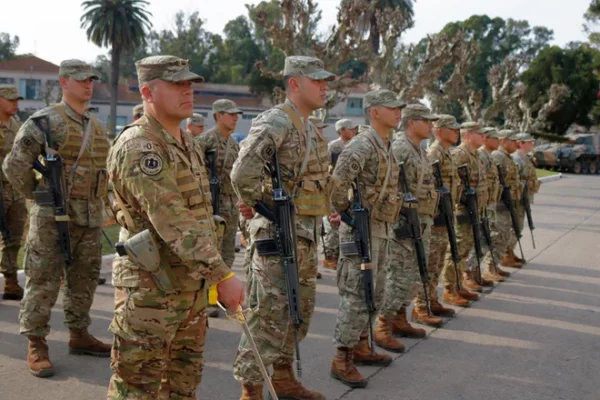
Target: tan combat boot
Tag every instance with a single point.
(288, 387)
(37, 357)
(12, 290)
(484, 282)
(469, 282)
(364, 356)
(252, 392)
(452, 297)
(492, 275)
(383, 337)
(82, 343)
(517, 259)
(330, 262)
(400, 326)
(502, 272)
(420, 315)
(440, 310)
(509, 261)
(343, 369)
(468, 295)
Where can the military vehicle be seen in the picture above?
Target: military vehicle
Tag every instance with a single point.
(580, 154)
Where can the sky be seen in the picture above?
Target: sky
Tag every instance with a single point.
(54, 34)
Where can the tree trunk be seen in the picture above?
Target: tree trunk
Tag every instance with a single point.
(374, 34)
(115, 55)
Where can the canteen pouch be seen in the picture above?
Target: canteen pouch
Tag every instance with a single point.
(402, 231)
(220, 225)
(266, 247)
(142, 249)
(101, 183)
(43, 198)
(348, 249)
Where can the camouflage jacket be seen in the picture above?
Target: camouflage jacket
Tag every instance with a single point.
(464, 155)
(527, 173)
(7, 138)
(491, 170)
(436, 152)
(144, 166)
(510, 171)
(274, 131)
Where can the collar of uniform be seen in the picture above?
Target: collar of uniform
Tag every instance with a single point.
(71, 113)
(468, 149)
(438, 145)
(415, 147)
(503, 151)
(166, 136)
(289, 102)
(378, 138)
(484, 150)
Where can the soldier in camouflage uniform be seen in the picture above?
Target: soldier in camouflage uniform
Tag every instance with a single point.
(446, 131)
(493, 271)
(466, 153)
(195, 125)
(346, 129)
(303, 165)
(81, 142)
(161, 185)
(15, 211)
(138, 111)
(403, 275)
(369, 159)
(502, 230)
(528, 179)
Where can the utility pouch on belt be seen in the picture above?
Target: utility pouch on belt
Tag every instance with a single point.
(266, 247)
(142, 249)
(220, 225)
(101, 183)
(402, 231)
(43, 198)
(349, 249)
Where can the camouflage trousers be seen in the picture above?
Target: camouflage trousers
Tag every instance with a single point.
(44, 268)
(438, 245)
(331, 240)
(521, 220)
(269, 321)
(353, 316)
(402, 279)
(158, 344)
(496, 244)
(228, 246)
(502, 231)
(16, 214)
(464, 243)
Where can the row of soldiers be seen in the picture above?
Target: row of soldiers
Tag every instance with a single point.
(163, 203)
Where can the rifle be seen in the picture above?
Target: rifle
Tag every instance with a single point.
(215, 182)
(473, 210)
(409, 210)
(362, 247)
(3, 221)
(334, 158)
(487, 234)
(507, 200)
(447, 212)
(283, 245)
(527, 206)
(52, 172)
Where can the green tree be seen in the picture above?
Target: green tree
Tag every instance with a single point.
(592, 22)
(575, 67)
(8, 46)
(121, 25)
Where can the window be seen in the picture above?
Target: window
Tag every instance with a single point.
(7, 81)
(121, 120)
(30, 89)
(354, 106)
(331, 121)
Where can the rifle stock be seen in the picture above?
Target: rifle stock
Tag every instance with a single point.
(447, 211)
(473, 210)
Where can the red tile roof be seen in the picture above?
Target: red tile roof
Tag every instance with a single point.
(28, 64)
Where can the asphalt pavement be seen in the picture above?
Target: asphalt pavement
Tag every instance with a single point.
(533, 337)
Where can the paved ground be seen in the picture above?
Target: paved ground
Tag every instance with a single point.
(534, 337)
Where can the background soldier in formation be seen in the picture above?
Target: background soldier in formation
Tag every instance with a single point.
(446, 132)
(303, 163)
(527, 176)
(15, 211)
(503, 227)
(161, 187)
(80, 141)
(346, 129)
(368, 160)
(138, 112)
(195, 125)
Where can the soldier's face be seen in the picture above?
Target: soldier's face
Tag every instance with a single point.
(80, 91)
(347, 134)
(8, 107)
(195, 130)
(312, 92)
(389, 117)
(527, 147)
(492, 143)
(447, 135)
(509, 145)
(477, 139)
(175, 99)
(422, 128)
(228, 120)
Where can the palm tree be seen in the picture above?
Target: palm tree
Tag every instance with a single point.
(120, 25)
(370, 24)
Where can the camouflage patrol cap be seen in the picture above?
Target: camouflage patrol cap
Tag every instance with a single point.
(9, 92)
(507, 134)
(138, 110)
(166, 68)
(196, 119)
(418, 111)
(317, 122)
(384, 98)
(345, 124)
(524, 137)
(77, 70)
(470, 127)
(490, 132)
(310, 67)
(226, 106)
(446, 121)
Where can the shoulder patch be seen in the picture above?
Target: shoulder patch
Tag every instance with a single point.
(26, 142)
(151, 164)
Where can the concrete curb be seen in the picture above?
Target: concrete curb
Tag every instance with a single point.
(550, 178)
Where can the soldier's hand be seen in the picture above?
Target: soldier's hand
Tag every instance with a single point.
(335, 219)
(231, 293)
(245, 210)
